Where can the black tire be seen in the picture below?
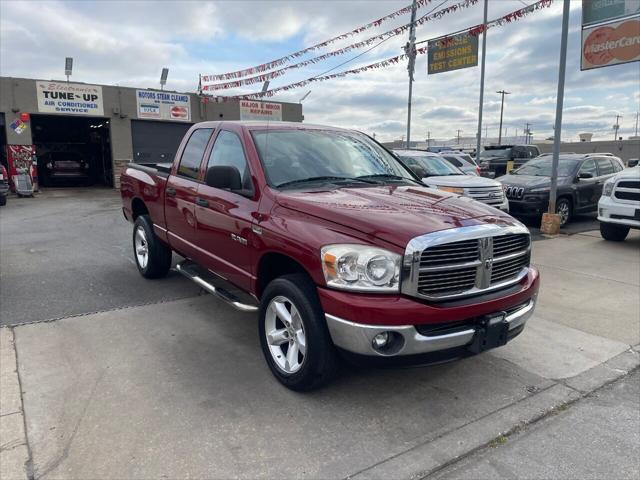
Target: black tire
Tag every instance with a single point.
(3, 200)
(613, 232)
(319, 364)
(564, 203)
(158, 259)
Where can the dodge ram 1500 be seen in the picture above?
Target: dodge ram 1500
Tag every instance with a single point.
(336, 245)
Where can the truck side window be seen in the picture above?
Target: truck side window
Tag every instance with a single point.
(193, 152)
(228, 151)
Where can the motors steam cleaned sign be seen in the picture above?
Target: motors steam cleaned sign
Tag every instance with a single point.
(69, 98)
(452, 53)
(163, 105)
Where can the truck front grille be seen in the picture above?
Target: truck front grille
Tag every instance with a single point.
(470, 267)
(627, 190)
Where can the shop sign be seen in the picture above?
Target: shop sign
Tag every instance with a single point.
(610, 44)
(156, 105)
(598, 11)
(255, 110)
(452, 53)
(69, 98)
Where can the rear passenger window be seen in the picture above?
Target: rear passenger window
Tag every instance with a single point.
(228, 151)
(605, 167)
(193, 152)
(616, 166)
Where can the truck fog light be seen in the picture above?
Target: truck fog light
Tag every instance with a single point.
(381, 340)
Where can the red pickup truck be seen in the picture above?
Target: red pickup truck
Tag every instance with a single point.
(335, 243)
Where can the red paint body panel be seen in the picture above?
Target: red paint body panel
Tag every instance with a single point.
(400, 310)
(299, 224)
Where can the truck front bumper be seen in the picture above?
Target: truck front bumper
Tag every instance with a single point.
(619, 213)
(414, 328)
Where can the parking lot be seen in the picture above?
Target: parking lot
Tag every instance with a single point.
(121, 377)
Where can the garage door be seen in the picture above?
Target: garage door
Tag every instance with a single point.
(155, 142)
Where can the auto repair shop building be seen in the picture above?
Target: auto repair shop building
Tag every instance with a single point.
(110, 126)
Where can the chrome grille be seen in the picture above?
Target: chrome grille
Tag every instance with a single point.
(458, 268)
(514, 193)
(450, 253)
(488, 195)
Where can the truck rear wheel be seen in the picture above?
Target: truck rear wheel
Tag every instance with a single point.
(153, 258)
(613, 232)
(294, 335)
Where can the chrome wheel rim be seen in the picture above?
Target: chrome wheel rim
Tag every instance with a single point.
(141, 247)
(285, 335)
(563, 210)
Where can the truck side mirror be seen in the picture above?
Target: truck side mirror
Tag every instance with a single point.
(224, 177)
(633, 162)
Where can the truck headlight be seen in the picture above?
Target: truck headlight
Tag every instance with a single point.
(459, 191)
(361, 268)
(608, 188)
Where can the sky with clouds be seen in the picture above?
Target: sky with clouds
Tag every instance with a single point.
(128, 42)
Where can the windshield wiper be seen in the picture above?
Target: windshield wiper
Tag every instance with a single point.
(388, 176)
(327, 178)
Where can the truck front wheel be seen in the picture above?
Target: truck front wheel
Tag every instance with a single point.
(613, 232)
(153, 258)
(294, 335)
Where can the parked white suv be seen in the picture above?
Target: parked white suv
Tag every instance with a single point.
(463, 161)
(619, 206)
(436, 172)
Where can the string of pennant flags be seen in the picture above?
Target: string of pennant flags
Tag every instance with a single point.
(354, 46)
(443, 41)
(288, 58)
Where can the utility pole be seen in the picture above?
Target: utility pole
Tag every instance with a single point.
(503, 93)
(616, 127)
(481, 101)
(428, 138)
(527, 132)
(637, 116)
(410, 51)
(554, 225)
(459, 136)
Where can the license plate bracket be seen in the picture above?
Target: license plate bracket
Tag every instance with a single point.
(492, 332)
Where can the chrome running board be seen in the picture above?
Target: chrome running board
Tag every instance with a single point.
(217, 286)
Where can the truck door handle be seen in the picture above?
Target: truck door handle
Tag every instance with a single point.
(202, 202)
(171, 191)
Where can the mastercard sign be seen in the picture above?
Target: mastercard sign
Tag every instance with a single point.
(610, 44)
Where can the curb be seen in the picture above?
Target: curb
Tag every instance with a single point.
(432, 456)
(14, 449)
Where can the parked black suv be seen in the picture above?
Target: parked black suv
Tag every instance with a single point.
(493, 159)
(580, 181)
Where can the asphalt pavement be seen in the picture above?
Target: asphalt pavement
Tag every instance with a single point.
(68, 252)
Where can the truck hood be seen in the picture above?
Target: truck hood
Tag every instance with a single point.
(465, 181)
(395, 214)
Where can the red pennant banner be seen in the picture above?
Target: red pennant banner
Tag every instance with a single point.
(364, 43)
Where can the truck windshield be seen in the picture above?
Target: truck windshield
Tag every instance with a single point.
(542, 167)
(292, 157)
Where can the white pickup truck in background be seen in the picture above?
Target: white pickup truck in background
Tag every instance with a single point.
(619, 206)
